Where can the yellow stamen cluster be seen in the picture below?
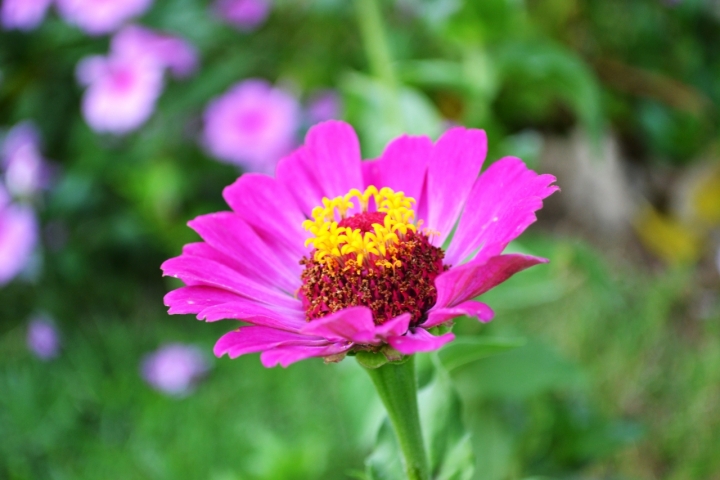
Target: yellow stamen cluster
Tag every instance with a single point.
(333, 242)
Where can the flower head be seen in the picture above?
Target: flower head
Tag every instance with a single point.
(43, 339)
(23, 14)
(336, 255)
(124, 86)
(163, 50)
(244, 14)
(25, 169)
(98, 17)
(18, 236)
(253, 124)
(174, 368)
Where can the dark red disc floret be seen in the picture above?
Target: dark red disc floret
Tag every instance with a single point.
(363, 221)
(387, 291)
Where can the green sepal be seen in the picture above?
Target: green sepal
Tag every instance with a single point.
(371, 359)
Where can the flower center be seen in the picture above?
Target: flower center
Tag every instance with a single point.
(368, 252)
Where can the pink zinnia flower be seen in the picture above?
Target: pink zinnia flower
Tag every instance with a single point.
(25, 169)
(253, 124)
(244, 14)
(23, 14)
(123, 87)
(97, 17)
(43, 339)
(18, 236)
(174, 368)
(334, 255)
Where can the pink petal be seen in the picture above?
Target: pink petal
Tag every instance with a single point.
(212, 304)
(186, 300)
(287, 355)
(500, 207)
(228, 233)
(353, 323)
(202, 271)
(471, 308)
(334, 151)
(401, 167)
(454, 166)
(91, 69)
(296, 174)
(257, 339)
(419, 340)
(272, 212)
(394, 327)
(478, 276)
(256, 314)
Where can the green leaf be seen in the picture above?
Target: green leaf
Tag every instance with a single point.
(381, 113)
(448, 443)
(466, 350)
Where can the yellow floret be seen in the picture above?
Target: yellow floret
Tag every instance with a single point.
(332, 242)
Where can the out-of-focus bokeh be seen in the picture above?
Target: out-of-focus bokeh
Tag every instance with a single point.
(121, 120)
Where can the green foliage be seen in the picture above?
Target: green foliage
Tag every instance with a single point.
(617, 372)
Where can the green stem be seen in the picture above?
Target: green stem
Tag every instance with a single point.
(376, 45)
(377, 50)
(397, 386)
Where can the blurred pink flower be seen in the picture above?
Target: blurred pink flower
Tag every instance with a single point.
(324, 105)
(18, 236)
(174, 368)
(244, 14)
(253, 125)
(121, 92)
(167, 51)
(123, 87)
(25, 169)
(43, 339)
(23, 14)
(97, 17)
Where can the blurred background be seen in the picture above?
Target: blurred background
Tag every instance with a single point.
(122, 120)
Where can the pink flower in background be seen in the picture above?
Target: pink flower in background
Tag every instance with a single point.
(336, 255)
(166, 51)
(25, 169)
(121, 94)
(244, 14)
(123, 87)
(23, 14)
(43, 339)
(97, 17)
(175, 368)
(324, 105)
(253, 125)
(18, 237)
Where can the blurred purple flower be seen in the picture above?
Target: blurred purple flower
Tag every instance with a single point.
(244, 14)
(175, 368)
(253, 125)
(97, 17)
(25, 169)
(324, 105)
(18, 236)
(43, 339)
(23, 14)
(124, 86)
(166, 51)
